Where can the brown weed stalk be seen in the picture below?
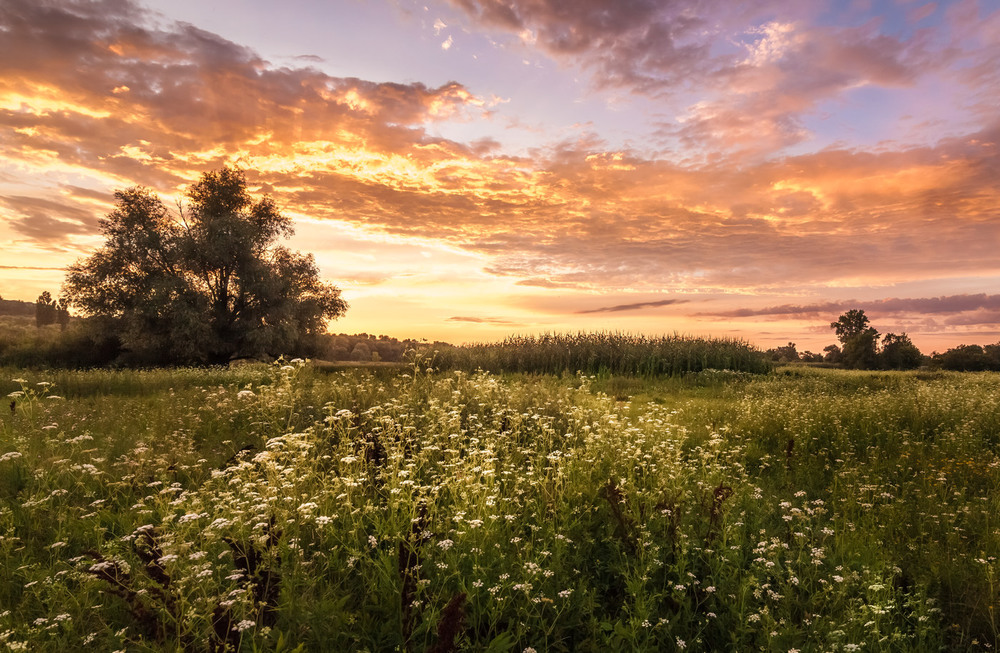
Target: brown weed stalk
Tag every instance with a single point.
(450, 625)
(624, 527)
(719, 496)
(409, 561)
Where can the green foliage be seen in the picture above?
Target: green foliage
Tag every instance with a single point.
(899, 353)
(208, 286)
(272, 508)
(340, 347)
(49, 311)
(45, 310)
(860, 351)
(861, 346)
(966, 358)
(860, 340)
(832, 354)
(785, 354)
(604, 353)
(852, 323)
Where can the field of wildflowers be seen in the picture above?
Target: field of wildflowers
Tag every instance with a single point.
(280, 509)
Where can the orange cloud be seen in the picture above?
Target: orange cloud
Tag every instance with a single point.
(157, 105)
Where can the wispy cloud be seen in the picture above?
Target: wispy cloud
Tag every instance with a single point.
(633, 307)
(945, 305)
(28, 267)
(485, 320)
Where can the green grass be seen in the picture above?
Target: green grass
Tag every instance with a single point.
(817, 510)
(605, 353)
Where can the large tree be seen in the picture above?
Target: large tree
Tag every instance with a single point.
(860, 340)
(207, 285)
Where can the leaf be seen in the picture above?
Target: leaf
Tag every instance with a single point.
(502, 642)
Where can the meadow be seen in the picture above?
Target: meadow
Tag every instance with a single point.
(283, 508)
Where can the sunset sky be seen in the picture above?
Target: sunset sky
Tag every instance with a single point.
(468, 169)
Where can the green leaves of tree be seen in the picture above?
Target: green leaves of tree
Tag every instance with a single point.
(207, 285)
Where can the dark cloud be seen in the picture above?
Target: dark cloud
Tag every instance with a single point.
(640, 43)
(987, 308)
(650, 44)
(633, 307)
(758, 68)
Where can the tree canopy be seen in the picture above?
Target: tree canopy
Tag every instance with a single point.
(899, 353)
(207, 285)
(860, 340)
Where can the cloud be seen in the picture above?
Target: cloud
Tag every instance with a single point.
(639, 43)
(633, 307)
(540, 283)
(944, 305)
(484, 320)
(48, 221)
(569, 214)
(186, 88)
(311, 58)
(28, 267)
(736, 80)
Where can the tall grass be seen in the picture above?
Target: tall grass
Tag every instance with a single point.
(269, 509)
(605, 353)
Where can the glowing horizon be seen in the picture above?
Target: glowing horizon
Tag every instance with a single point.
(469, 169)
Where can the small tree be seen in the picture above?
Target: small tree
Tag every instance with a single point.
(62, 314)
(899, 353)
(207, 286)
(361, 352)
(832, 354)
(810, 357)
(788, 353)
(859, 340)
(45, 310)
(992, 356)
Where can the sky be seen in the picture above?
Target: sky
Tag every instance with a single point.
(466, 170)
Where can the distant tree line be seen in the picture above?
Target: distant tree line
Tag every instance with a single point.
(363, 347)
(970, 358)
(81, 344)
(862, 348)
(16, 307)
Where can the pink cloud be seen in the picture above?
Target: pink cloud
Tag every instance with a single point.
(569, 214)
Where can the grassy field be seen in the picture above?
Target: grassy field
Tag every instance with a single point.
(281, 507)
